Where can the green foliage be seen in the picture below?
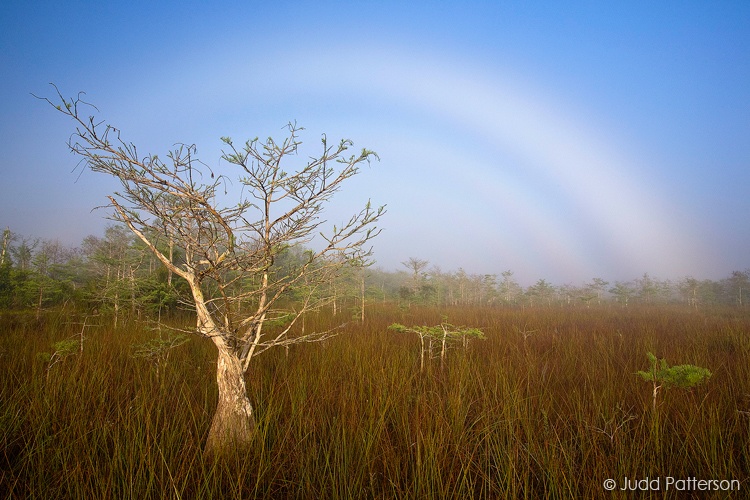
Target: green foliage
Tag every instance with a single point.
(439, 331)
(438, 338)
(117, 273)
(157, 295)
(683, 376)
(404, 329)
(158, 349)
(281, 320)
(65, 348)
(687, 376)
(60, 351)
(6, 286)
(662, 375)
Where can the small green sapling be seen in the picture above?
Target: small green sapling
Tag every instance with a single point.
(663, 375)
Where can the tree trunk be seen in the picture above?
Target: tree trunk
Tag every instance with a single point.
(117, 296)
(442, 351)
(6, 241)
(132, 292)
(233, 423)
(39, 302)
(421, 353)
(362, 290)
(169, 269)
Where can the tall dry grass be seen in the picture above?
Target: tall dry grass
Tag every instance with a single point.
(547, 407)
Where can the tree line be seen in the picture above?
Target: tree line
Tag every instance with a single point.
(116, 275)
(422, 284)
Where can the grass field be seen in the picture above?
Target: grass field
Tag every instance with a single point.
(548, 406)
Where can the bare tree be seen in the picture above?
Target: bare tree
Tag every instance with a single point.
(417, 267)
(229, 248)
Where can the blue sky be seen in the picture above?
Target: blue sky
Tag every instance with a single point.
(560, 140)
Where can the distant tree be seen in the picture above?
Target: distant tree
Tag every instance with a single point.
(462, 283)
(440, 284)
(689, 288)
(6, 269)
(5, 249)
(567, 294)
(418, 277)
(381, 284)
(115, 263)
(586, 294)
(362, 279)
(509, 289)
(351, 287)
(23, 253)
(6, 285)
(648, 288)
(416, 267)
(709, 292)
(47, 273)
(229, 249)
(738, 287)
(598, 287)
(541, 291)
(45, 261)
(622, 292)
(488, 288)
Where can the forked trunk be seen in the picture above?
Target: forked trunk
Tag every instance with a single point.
(233, 423)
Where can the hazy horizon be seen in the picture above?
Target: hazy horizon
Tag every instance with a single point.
(560, 143)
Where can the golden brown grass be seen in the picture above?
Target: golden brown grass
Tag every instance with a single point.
(549, 414)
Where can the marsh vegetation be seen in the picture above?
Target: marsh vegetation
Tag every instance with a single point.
(548, 415)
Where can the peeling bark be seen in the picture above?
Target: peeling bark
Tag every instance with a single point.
(233, 423)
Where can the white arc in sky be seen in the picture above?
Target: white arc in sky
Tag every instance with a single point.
(578, 205)
(625, 215)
